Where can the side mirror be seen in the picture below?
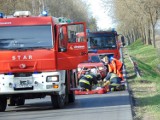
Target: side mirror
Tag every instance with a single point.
(123, 40)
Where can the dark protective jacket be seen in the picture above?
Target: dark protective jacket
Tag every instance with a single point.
(113, 78)
(89, 79)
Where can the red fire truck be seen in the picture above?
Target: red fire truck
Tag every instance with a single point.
(39, 57)
(104, 42)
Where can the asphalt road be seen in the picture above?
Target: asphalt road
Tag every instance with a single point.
(109, 106)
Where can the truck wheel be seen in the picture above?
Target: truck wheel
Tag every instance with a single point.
(58, 101)
(72, 97)
(12, 102)
(3, 104)
(66, 97)
(20, 101)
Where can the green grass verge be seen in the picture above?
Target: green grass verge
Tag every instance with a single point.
(146, 89)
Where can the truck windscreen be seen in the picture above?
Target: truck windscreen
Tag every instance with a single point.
(26, 37)
(101, 42)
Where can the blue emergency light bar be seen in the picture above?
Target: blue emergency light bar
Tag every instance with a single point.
(44, 13)
(1, 15)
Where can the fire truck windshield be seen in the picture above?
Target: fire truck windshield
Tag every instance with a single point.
(94, 59)
(101, 42)
(25, 37)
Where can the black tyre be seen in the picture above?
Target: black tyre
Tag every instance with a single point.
(66, 99)
(58, 101)
(20, 101)
(12, 102)
(3, 104)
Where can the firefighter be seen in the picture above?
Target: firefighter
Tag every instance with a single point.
(113, 81)
(90, 78)
(113, 65)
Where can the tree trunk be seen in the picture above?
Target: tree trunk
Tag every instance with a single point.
(153, 33)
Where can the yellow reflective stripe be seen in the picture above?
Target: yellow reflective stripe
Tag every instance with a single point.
(84, 81)
(113, 75)
(88, 76)
(114, 84)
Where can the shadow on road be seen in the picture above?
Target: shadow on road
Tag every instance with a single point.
(82, 101)
(104, 100)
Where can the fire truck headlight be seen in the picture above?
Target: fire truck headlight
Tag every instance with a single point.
(100, 68)
(79, 69)
(52, 78)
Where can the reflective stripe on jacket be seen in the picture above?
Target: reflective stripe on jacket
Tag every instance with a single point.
(84, 81)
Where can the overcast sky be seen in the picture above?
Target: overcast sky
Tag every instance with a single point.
(104, 21)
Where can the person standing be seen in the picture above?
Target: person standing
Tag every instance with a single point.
(114, 65)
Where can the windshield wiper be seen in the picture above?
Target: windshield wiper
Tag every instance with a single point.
(32, 48)
(24, 48)
(7, 39)
(40, 47)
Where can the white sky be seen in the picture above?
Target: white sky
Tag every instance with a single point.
(103, 20)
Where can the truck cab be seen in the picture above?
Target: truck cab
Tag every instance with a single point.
(104, 42)
(39, 57)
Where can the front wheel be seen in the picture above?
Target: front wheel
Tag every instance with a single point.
(72, 97)
(12, 101)
(20, 101)
(3, 103)
(58, 101)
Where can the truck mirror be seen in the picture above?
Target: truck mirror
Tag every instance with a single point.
(123, 40)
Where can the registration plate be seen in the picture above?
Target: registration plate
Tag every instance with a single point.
(26, 82)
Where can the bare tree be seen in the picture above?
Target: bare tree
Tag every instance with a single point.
(76, 10)
(136, 18)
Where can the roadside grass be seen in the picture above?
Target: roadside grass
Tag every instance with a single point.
(145, 89)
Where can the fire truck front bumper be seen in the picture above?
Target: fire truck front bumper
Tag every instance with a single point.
(37, 83)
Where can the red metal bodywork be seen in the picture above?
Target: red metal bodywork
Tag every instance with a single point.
(42, 59)
(113, 34)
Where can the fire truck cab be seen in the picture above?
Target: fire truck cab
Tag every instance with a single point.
(39, 57)
(105, 42)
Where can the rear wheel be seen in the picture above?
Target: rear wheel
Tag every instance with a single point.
(20, 101)
(58, 101)
(3, 103)
(12, 101)
(73, 84)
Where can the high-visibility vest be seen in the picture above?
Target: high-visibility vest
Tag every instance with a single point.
(110, 68)
(115, 66)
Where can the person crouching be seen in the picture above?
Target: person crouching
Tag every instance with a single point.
(113, 81)
(88, 80)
